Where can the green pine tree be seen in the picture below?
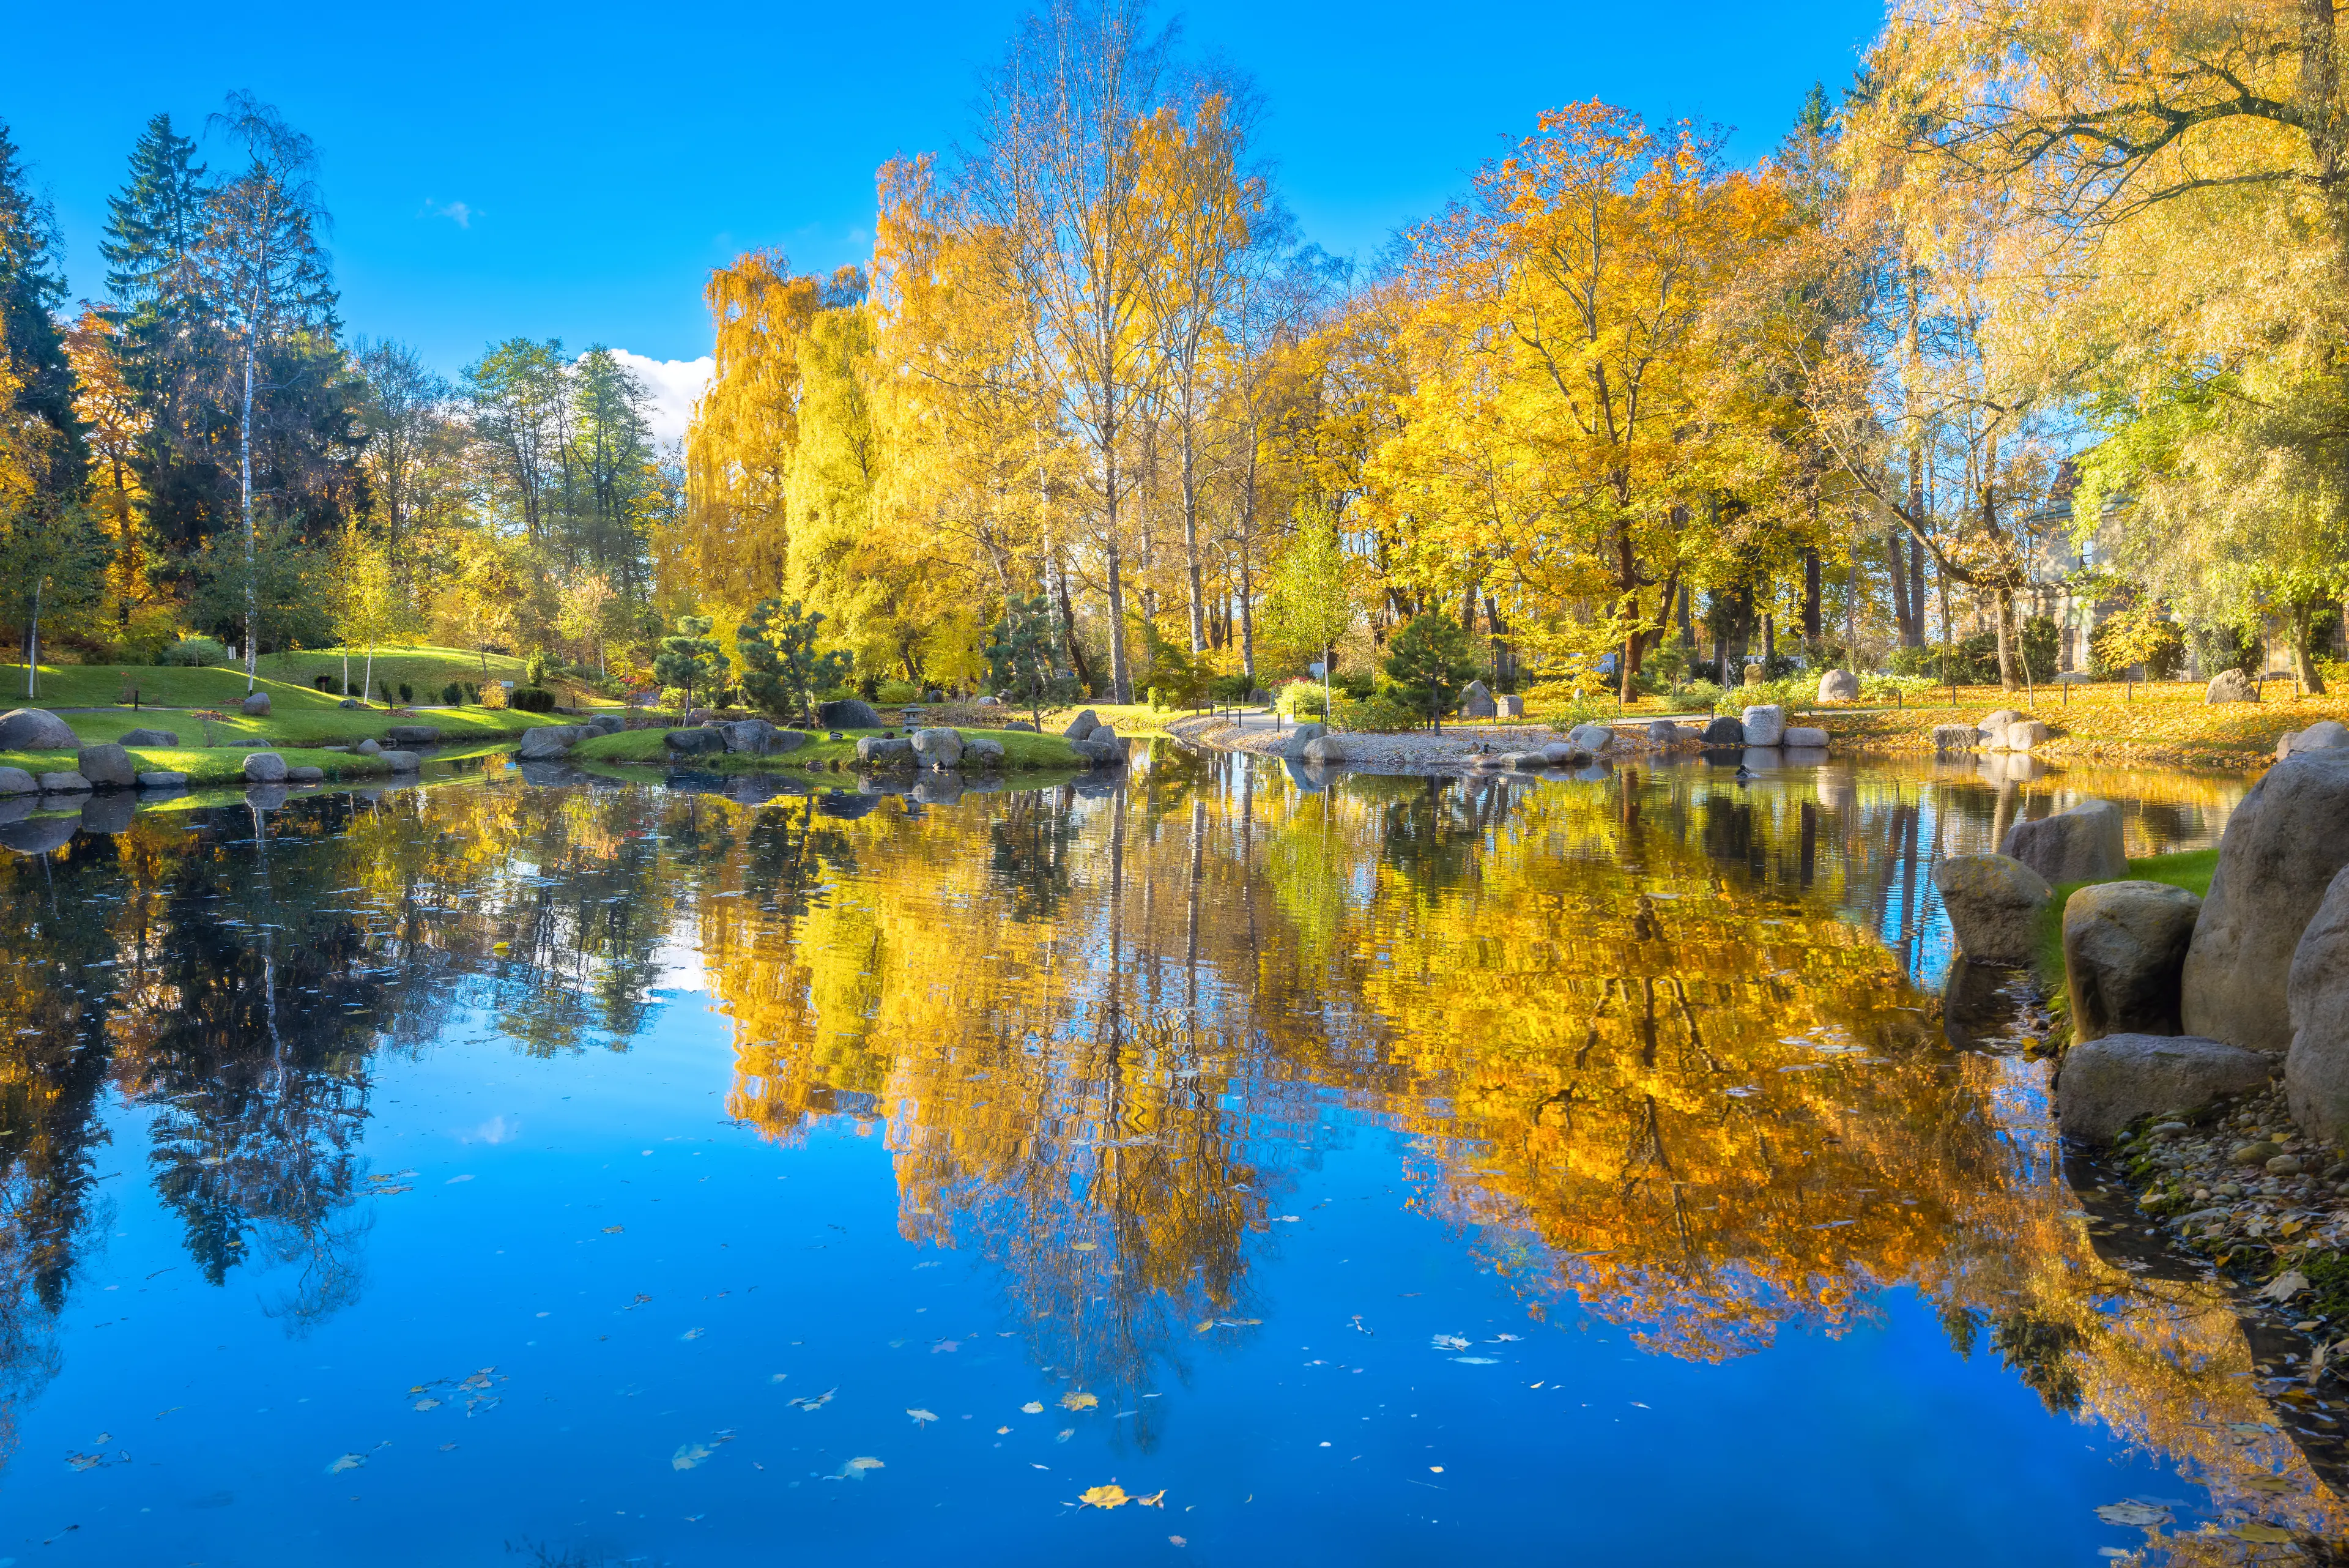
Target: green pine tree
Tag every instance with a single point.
(155, 221)
(1020, 664)
(1430, 660)
(692, 659)
(781, 671)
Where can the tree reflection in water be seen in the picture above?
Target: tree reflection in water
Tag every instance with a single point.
(1659, 1047)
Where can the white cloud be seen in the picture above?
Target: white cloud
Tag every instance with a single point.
(674, 384)
(457, 213)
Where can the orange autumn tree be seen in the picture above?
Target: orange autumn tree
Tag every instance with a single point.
(1564, 444)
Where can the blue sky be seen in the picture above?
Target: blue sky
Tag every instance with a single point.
(575, 170)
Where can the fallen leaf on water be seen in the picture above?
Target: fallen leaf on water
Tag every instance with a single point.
(347, 1462)
(854, 1469)
(688, 1455)
(1000, 1431)
(2132, 1513)
(692, 1334)
(446, 1447)
(2265, 1533)
(1033, 1407)
(1103, 1497)
(1064, 1434)
(1075, 1401)
(1155, 1499)
(1178, 1541)
(1447, 1341)
(2284, 1286)
(947, 1345)
(778, 1376)
(427, 1404)
(614, 1230)
(1081, 1246)
(1475, 1360)
(921, 1416)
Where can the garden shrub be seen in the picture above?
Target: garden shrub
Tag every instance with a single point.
(531, 700)
(195, 653)
(453, 694)
(894, 693)
(1380, 714)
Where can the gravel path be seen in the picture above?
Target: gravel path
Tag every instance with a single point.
(1460, 749)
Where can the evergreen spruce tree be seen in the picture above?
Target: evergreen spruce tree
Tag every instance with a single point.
(30, 291)
(155, 223)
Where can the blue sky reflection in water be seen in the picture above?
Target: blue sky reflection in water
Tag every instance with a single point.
(1391, 1173)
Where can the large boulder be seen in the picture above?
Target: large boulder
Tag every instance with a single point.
(1955, 737)
(402, 761)
(1765, 725)
(151, 738)
(1805, 735)
(305, 775)
(980, 751)
(2287, 839)
(939, 747)
(1511, 705)
(1325, 749)
(17, 781)
(2124, 951)
(1080, 726)
(1476, 702)
(785, 740)
(107, 767)
(255, 705)
(695, 742)
(550, 740)
(368, 748)
(1596, 739)
(1838, 686)
(1560, 754)
(2230, 686)
(2322, 736)
(2018, 735)
(64, 783)
(1293, 744)
(1993, 902)
(1724, 731)
(1022, 726)
(1990, 724)
(1662, 733)
(1752, 675)
(1101, 749)
(36, 730)
(265, 767)
(413, 735)
(2108, 1084)
(879, 752)
(754, 737)
(2316, 1067)
(2081, 844)
(848, 713)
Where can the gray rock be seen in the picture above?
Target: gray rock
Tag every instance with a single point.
(1807, 736)
(754, 737)
(2019, 735)
(39, 834)
(1766, 725)
(64, 783)
(780, 740)
(2316, 1067)
(368, 748)
(1293, 744)
(1022, 726)
(265, 767)
(255, 705)
(36, 730)
(1993, 902)
(108, 767)
(939, 747)
(1990, 723)
(1663, 733)
(1511, 705)
(151, 738)
(267, 797)
(1596, 739)
(1102, 753)
(2081, 844)
(402, 761)
(305, 775)
(1325, 749)
(1724, 731)
(2109, 1083)
(2285, 842)
(2322, 736)
(1524, 761)
(348, 702)
(1476, 702)
(875, 752)
(413, 735)
(694, 743)
(2124, 952)
(112, 812)
(17, 781)
(161, 779)
(1955, 737)
(2230, 686)
(1559, 755)
(607, 723)
(549, 740)
(1080, 726)
(978, 752)
(1838, 686)
(848, 713)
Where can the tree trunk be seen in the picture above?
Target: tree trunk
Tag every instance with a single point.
(2010, 641)
(244, 467)
(1191, 543)
(1069, 627)
(1811, 629)
(2304, 662)
(1121, 677)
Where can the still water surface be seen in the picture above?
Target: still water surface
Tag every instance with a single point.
(1379, 1171)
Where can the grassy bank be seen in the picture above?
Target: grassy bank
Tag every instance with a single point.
(650, 748)
(2165, 725)
(218, 766)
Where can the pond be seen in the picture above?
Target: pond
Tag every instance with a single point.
(1221, 1165)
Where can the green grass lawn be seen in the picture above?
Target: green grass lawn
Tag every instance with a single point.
(2190, 870)
(426, 668)
(648, 748)
(220, 766)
